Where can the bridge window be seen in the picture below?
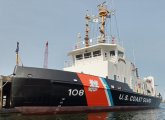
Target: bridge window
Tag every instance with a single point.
(97, 53)
(87, 55)
(120, 54)
(112, 53)
(79, 57)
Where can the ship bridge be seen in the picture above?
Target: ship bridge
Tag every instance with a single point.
(96, 58)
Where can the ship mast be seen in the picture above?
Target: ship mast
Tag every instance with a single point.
(87, 17)
(103, 13)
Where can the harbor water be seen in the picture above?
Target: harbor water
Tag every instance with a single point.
(151, 114)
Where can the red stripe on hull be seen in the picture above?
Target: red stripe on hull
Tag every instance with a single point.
(95, 96)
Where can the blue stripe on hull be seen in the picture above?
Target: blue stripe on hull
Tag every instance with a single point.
(108, 91)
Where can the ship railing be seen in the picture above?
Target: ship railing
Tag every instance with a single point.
(94, 41)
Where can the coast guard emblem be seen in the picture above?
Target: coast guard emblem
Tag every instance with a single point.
(93, 86)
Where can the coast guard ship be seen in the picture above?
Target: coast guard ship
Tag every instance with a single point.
(99, 78)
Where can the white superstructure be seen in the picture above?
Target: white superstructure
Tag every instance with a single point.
(104, 57)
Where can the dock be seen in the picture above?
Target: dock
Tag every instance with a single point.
(5, 92)
(5, 95)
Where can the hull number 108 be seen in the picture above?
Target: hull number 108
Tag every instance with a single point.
(76, 92)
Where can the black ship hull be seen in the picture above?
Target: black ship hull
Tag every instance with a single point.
(36, 87)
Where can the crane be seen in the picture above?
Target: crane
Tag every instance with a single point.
(17, 54)
(46, 56)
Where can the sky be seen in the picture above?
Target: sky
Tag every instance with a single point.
(141, 25)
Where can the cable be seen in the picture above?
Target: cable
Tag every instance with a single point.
(118, 35)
